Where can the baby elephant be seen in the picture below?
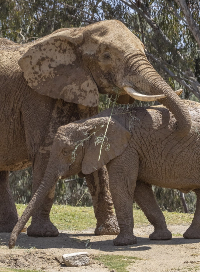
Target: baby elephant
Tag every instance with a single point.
(141, 148)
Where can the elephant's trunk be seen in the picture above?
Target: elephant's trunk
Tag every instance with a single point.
(145, 78)
(46, 185)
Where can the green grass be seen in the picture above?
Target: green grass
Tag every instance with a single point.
(176, 235)
(67, 217)
(172, 218)
(118, 263)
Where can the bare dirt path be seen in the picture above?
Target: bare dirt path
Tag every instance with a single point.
(45, 254)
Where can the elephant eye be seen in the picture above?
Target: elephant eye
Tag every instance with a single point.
(65, 152)
(107, 56)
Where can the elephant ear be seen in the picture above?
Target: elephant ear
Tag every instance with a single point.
(108, 139)
(53, 67)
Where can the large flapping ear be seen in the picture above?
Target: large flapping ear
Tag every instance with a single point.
(108, 139)
(53, 67)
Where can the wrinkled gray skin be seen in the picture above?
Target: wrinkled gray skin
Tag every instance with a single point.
(140, 149)
(56, 80)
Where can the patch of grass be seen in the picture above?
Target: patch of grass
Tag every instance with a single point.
(67, 217)
(175, 218)
(118, 263)
(171, 218)
(20, 209)
(177, 235)
(16, 270)
(73, 218)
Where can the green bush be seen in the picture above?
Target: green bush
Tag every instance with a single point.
(170, 200)
(73, 191)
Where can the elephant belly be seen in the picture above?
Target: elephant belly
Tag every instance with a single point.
(13, 157)
(184, 184)
(176, 171)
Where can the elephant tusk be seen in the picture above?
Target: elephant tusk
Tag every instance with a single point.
(144, 97)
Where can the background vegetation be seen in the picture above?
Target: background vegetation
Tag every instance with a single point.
(170, 32)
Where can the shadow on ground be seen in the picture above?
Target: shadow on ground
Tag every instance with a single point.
(88, 240)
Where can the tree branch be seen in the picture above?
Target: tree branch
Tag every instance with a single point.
(193, 85)
(193, 27)
(174, 12)
(154, 26)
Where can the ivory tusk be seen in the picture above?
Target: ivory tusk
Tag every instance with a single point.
(144, 97)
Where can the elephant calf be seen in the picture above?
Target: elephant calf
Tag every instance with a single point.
(140, 149)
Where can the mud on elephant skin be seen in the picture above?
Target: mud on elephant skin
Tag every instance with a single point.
(140, 148)
(56, 80)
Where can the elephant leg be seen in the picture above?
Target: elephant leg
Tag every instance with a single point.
(193, 232)
(8, 212)
(98, 184)
(41, 224)
(123, 171)
(144, 197)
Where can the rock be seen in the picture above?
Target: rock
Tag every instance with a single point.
(76, 259)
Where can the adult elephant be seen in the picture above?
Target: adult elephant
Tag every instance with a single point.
(56, 80)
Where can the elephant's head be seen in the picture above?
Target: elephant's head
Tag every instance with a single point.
(76, 64)
(84, 146)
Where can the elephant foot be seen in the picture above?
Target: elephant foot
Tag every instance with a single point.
(161, 235)
(124, 240)
(109, 227)
(42, 229)
(192, 233)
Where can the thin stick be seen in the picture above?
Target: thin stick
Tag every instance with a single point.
(107, 128)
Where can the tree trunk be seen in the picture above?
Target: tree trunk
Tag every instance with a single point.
(182, 197)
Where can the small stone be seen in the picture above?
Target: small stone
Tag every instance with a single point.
(76, 259)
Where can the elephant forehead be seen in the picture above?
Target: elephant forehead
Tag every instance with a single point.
(113, 33)
(68, 135)
(90, 48)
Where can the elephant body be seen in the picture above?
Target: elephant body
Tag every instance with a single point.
(56, 80)
(140, 148)
(29, 122)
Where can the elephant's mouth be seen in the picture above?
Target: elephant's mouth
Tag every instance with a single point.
(134, 94)
(143, 97)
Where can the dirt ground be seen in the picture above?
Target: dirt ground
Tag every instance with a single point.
(45, 254)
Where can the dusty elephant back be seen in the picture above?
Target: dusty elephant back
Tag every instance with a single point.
(153, 117)
(164, 157)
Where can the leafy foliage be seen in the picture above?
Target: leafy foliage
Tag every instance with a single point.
(26, 20)
(21, 185)
(170, 200)
(73, 191)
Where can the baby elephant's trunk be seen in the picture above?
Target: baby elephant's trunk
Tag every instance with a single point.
(36, 201)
